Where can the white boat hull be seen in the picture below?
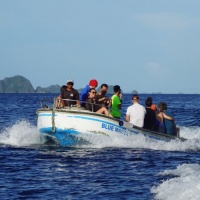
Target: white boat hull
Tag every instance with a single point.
(72, 122)
(63, 125)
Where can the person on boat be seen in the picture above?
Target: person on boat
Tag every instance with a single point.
(160, 117)
(153, 106)
(149, 119)
(90, 104)
(101, 98)
(170, 126)
(135, 113)
(116, 102)
(85, 92)
(59, 103)
(70, 93)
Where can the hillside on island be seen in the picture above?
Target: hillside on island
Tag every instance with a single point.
(16, 84)
(19, 84)
(50, 89)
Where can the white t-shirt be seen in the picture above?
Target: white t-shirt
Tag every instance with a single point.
(137, 113)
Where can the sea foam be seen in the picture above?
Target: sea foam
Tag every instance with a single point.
(141, 141)
(184, 185)
(22, 133)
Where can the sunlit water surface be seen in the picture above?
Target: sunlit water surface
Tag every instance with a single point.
(124, 167)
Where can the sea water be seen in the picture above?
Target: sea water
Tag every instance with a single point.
(123, 167)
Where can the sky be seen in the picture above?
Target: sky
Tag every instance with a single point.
(145, 45)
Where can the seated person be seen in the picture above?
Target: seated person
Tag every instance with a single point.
(101, 98)
(149, 119)
(84, 94)
(170, 126)
(116, 102)
(70, 93)
(160, 116)
(59, 103)
(136, 112)
(153, 106)
(90, 104)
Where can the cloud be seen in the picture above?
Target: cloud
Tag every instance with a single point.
(152, 66)
(164, 21)
(155, 68)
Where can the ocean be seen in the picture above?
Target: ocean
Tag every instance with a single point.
(125, 167)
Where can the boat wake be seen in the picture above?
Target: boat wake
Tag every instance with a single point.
(185, 183)
(23, 133)
(141, 141)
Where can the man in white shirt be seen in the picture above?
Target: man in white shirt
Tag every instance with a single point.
(135, 113)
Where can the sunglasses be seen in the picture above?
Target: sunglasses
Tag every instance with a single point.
(94, 92)
(70, 83)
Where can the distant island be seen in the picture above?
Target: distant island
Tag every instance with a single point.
(19, 84)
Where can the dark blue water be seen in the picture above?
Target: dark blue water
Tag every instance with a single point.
(126, 168)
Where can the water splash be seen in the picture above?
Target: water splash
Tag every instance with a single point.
(140, 141)
(22, 133)
(192, 132)
(184, 185)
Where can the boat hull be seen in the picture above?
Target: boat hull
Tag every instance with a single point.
(65, 125)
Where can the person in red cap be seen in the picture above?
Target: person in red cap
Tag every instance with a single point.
(93, 83)
(85, 92)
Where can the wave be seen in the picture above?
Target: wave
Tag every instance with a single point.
(23, 133)
(141, 141)
(192, 132)
(20, 134)
(185, 183)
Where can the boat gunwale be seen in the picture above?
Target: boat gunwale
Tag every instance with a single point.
(154, 133)
(130, 127)
(83, 111)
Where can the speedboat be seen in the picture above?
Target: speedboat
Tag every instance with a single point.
(65, 125)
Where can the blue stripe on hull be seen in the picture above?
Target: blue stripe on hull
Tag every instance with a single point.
(62, 137)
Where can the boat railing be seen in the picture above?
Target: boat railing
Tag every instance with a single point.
(46, 103)
(69, 106)
(57, 103)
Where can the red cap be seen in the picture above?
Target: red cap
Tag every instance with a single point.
(93, 83)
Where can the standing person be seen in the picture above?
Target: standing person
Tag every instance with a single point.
(116, 102)
(101, 98)
(70, 93)
(85, 92)
(170, 125)
(90, 104)
(149, 119)
(135, 113)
